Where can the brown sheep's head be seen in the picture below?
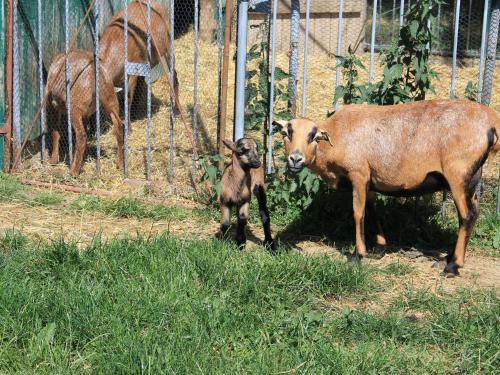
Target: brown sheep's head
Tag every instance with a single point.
(246, 151)
(301, 138)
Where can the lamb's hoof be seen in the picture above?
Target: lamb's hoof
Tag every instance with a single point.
(269, 244)
(354, 258)
(451, 269)
(177, 112)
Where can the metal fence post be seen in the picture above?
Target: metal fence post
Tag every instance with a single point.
(339, 48)
(149, 124)
(372, 44)
(195, 78)
(490, 68)
(294, 56)
(401, 13)
(16, 96)
(125, 91)
(491, 53)
(271, 90)
(455, 47)
(172, 99)
(306, 52)
(241, 57)
(68, 80)
(43, 120)
(97, 15)
(483, 50)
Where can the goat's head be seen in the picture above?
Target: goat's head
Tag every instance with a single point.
(301, 138)
(246, 151)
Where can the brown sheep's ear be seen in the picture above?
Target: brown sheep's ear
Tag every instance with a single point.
(282, 126)
(230, 145)
(322, 135)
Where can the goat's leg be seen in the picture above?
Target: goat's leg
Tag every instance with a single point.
(260, 193)
(81, 143)
(359, 190)
(241, 238)
(132, 85)
(110, 105)
(177, 110)
(225, 221)
(467, 205)
(56, 139)
(370, 207)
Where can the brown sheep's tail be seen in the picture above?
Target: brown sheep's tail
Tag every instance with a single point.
(493, 138)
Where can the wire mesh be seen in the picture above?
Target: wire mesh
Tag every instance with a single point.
(159, 150)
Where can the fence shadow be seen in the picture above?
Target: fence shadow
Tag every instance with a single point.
(407, 226)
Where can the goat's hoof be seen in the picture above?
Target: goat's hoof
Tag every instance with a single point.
(177, 112)
(451, 269)
(54, 161)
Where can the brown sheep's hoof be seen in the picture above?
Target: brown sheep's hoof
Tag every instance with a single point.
(451, 270)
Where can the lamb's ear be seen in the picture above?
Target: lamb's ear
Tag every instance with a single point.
(322, 135)
(282, 126)
(229, 144)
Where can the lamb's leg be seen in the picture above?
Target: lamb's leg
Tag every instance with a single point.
(260, 193)
(225, 221)
(370, 207)
(359, 189)
(242, 223)
(81, 143)
(467, 205)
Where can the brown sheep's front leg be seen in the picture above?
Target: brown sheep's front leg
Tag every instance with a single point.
(359, 190)
(241, 238)
(264, 215)
(81, 143)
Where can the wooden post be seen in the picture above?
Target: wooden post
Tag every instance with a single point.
(7, 129)
(225, 74)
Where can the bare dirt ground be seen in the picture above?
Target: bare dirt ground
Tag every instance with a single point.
(424, 269)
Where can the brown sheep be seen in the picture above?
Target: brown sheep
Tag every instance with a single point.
(241, 177)
(83, 103)
(401, 150)
(113, 46)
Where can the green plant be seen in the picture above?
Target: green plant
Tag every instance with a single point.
(407, 76)
(211, 177)
(258, 87)
(471, 91)
(47, 198)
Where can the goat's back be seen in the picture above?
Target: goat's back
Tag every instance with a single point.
(112, 40)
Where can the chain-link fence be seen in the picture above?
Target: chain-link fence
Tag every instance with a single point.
(173, 71)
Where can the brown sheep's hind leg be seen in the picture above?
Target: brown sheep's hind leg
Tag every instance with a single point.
(371, 210)
(56, 137)
(467, 205)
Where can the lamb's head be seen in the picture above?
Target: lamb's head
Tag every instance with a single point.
(301, 137)
(246, 152)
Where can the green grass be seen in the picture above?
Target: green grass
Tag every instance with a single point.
(47, 198)
(167, 305)
(10, 187)
(128, 208)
